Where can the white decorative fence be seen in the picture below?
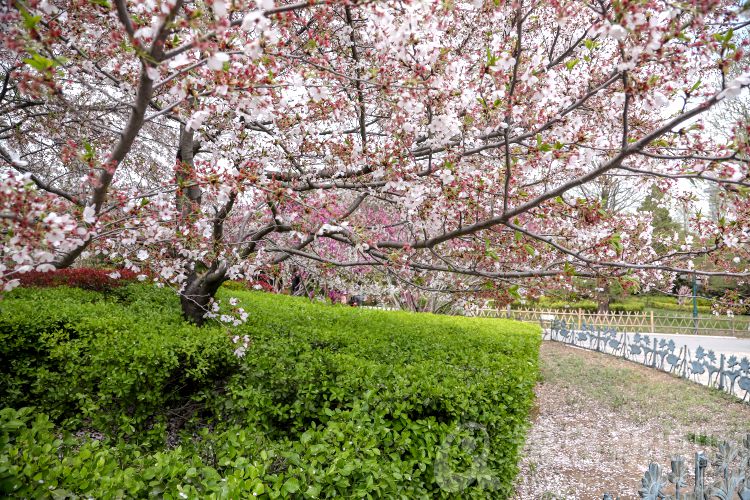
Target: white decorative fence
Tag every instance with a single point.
(726, 373)
(632, 322)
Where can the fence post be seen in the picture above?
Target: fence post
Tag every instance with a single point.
(721, 374)
(580, 318)
(695, 323)
(680, 361)
(653, 330)
(685, 362)
(701, 463)
(507, 311)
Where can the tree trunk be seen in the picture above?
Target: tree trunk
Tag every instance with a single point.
(197, 295)
(188, 195)
(201, 284)
(603, 303)
(296, 283)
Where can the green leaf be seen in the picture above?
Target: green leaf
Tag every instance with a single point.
(89, 152)
(313, 491)
(491, 59)
(489, 252)
(29, 21)
(569, 269)
(39, 62)
(291, 485)
(615, 241)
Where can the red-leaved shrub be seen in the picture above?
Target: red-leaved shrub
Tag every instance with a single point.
(260, 284)
(88, 278)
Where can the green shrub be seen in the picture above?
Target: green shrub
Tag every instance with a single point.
(420, 377)
(589, 306)
(669, 306)
(117, 368)
(630, 306)
(666, 300)
(583, 305)
(328, 401)
(37, 462)
(234, 285)
(546, 304)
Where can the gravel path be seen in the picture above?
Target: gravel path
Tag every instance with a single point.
(601, 420)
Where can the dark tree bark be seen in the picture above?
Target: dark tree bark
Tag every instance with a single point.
(296, 285)
(603, 301)
(202, 281)
(198, 292)
(188, 195)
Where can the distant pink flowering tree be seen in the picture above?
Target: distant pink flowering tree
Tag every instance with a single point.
(207, 141)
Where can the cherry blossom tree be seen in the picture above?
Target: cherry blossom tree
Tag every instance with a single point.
(439, 144)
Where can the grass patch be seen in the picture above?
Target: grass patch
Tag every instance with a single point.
(644, 394)
(328, 401)
(703, 439)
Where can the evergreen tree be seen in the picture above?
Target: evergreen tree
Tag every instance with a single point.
(664, 226)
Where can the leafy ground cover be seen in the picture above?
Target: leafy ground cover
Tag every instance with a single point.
(600, 420)
(112, 394)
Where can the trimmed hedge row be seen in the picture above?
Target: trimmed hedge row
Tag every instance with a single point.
(687, 307)
(115, 367)
(584, 305)
(634, 304)
(328, 401)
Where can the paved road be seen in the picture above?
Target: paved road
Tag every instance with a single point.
(725, 345)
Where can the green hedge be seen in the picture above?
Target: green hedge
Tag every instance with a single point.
(665, 299)
(687, 307)
(37, 461)
(630, 304)
(584, 305)
(235, 285)
(328, 400)
(627, 307)
(117, 369)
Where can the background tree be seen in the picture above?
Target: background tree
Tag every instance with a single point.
(614, 194)
(666, 232)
